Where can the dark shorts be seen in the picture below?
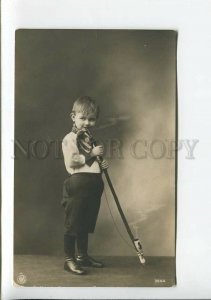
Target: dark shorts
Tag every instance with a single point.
(81, 199)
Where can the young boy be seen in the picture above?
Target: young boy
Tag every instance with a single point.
(82, 190)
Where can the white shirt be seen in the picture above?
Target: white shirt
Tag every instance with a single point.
(73, 160)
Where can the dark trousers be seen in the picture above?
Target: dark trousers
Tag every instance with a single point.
(81, 200)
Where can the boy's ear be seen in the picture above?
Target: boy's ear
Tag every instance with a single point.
(72, 116)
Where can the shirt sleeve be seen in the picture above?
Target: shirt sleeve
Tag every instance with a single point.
(72, 157)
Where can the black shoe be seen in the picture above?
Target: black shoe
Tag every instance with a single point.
(72, 266)
(88, 261)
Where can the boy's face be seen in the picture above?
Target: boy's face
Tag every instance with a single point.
(83, 121)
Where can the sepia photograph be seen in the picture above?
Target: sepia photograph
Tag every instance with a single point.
(95, 158)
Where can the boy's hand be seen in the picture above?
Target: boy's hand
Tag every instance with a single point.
(97, 151)
(104, 164)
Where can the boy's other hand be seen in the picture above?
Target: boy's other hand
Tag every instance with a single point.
(104, 164)
(97, 151)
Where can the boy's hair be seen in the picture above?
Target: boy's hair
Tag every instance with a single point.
(85, 105)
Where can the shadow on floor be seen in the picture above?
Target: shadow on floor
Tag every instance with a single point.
(124, 271)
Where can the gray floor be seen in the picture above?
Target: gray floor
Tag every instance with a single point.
(47, 271)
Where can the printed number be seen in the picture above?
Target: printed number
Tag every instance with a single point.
(160, 280)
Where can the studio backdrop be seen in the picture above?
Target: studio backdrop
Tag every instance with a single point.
(132, 76)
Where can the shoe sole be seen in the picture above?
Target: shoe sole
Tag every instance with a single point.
(89, 266)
